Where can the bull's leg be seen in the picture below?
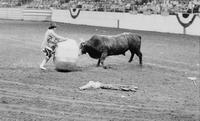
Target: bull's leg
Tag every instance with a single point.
(98, 63)
(103, 57)
(139, 54)
(132, 55)
(131, 58)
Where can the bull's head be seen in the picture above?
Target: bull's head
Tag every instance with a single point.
(82, 48)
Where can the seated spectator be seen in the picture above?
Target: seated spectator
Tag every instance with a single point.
(152, 7)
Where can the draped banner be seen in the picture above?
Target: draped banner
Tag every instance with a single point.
(185, 20)
(74, 12)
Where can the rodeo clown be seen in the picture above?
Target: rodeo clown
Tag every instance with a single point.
(49, 43)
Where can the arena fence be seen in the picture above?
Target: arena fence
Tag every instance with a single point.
(37, 15)
(180, 23)
(25, 14)
(11, 13)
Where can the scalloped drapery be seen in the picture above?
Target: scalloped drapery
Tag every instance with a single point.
(74, 12)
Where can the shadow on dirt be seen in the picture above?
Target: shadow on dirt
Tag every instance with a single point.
(66, 70)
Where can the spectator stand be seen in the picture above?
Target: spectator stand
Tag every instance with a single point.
(147, 7)
(10, 3)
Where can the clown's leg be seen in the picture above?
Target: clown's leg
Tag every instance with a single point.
(43, 63)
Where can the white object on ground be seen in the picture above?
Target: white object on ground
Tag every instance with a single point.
(193, 79)
(122, 96)
(91, 84)
(95, 85)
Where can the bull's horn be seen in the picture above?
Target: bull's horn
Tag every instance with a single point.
(81, 39)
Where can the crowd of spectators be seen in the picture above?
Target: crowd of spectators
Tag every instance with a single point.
(132, 6)
(9, 3)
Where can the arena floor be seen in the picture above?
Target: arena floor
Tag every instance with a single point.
(165, 93)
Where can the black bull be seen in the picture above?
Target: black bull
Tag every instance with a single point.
(101, 46)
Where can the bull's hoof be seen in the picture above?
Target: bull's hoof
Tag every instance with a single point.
(105, 67)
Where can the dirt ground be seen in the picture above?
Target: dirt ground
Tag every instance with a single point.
(164, 91)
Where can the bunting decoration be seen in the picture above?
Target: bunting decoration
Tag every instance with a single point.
(185, 19)
(74, 12)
